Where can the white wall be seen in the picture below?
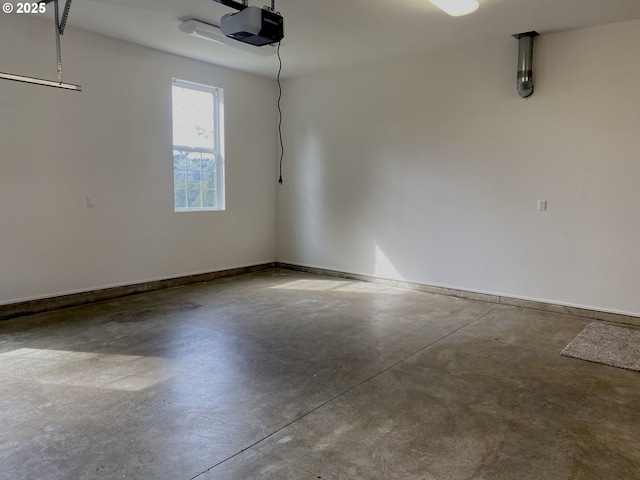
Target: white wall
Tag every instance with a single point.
(112, 142)
(429, 170)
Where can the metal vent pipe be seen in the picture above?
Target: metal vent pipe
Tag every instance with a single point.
(525, 63)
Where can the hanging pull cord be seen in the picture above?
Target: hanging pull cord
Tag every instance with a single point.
(280, 113)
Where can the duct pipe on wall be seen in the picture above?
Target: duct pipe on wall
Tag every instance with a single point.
(525, 63)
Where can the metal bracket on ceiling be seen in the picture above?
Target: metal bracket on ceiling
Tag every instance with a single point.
(237, 5)
(59, 27)
(231, 3)
(60, 23)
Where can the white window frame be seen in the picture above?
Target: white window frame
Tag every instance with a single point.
(218, 141)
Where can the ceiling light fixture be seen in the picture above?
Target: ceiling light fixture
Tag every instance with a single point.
(208, 31)
(456, 8)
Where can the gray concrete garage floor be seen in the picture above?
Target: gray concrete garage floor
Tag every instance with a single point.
(286, 375)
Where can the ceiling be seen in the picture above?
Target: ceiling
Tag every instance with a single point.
(327, 34)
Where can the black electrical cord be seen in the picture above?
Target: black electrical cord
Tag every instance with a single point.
(280, 113)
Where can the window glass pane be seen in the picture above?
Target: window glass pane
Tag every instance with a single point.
(194, 199)
(179, 158)
(179, 179)
(194, 161)
(193, 179)
(193, 118)
(208, 180)
(208, 198)
(180, 198)
(208, 161)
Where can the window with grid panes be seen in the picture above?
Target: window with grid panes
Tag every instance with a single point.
(198, 147)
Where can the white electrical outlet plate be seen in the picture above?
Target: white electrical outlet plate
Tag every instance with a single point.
(542, 205)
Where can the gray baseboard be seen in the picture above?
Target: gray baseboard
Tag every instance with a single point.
(482, 297)
(30, 307)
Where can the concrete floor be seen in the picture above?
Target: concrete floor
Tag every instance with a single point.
(285, 375)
